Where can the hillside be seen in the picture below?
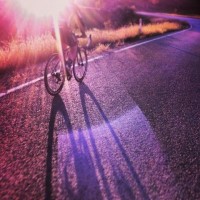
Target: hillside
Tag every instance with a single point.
(177, 6)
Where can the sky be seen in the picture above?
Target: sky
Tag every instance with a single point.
(10, 12)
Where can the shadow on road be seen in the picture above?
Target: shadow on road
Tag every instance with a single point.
(57, 106)
(84, 90)
(87, 162)
(82, 161)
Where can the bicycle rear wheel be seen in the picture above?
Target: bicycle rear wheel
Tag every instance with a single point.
(80, 65)
(54, 75)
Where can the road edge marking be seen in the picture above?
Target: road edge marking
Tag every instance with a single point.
(14, 89)
(148, 41)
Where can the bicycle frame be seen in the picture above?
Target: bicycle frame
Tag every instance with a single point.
(56, 70)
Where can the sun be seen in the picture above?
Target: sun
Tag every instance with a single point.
(42, 8)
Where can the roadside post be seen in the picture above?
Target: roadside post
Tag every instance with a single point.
(140, 26)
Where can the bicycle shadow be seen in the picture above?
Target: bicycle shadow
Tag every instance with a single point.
(85, 160)
(85, 91)
(81, 161)
(57, 105)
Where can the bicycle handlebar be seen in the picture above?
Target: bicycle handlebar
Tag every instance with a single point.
(89, 41)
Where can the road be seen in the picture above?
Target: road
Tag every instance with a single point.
(130, 131)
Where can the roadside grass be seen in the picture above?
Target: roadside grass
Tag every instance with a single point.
(37, 49)
(20, 52)
(160, 28)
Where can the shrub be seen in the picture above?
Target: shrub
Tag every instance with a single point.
(122, 16)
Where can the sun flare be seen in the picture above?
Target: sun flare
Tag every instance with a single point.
(42, 8)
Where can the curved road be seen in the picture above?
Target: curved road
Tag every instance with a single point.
(131, 131)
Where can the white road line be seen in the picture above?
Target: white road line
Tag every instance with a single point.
(36, 80)
(148, 41)
(20, 87)
(90, 60)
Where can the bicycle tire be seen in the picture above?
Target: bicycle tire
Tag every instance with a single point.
(54, 75)
(80, 64)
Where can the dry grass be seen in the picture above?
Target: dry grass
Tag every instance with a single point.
(101, 48)
(33, 50)
(160, 28)
(20, 53)
(131, 32)
(113, 36)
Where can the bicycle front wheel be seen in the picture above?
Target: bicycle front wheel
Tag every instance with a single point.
(54, 75)
(80, 65)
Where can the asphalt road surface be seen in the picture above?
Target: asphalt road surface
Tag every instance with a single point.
(130, 131)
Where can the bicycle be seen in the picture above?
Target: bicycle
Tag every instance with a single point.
(55, 72)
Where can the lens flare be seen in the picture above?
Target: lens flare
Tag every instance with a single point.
(42, 8)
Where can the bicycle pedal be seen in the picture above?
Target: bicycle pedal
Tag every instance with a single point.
(69, 75)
